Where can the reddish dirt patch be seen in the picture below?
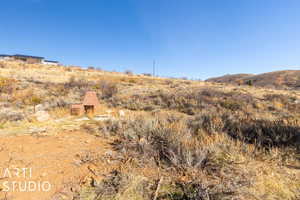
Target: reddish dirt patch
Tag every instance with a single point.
(55, 159)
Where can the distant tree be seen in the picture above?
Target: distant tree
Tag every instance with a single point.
(34, 100)
(99, 68)
(249, 82)
(128, 72)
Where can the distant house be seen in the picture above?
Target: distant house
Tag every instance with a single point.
(28, 59)
(50, 62)
(4, 57)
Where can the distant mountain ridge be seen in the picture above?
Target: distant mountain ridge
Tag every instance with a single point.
(276, 79)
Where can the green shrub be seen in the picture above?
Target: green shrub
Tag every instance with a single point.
(249, 82)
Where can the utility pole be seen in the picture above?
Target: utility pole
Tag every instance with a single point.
(153, 68)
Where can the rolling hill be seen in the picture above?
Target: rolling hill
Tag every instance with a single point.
(277, 79)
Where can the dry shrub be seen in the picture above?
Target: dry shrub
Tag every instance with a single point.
(60, 112)
(204, 157)
(179, 191)
(108, 88)
(132, 80)
(76, 83)
(117, 185)
(27, 97)
(208, 92)
(280, 102)
(35, 100)
(271, 186)
(153, 138)
(169, 141)
(128, 72)
(209, 122)
(7, 85)
(170, 144)
(239, 125)
(186, 101)
(11, 116)
(159, 100)
(57, 89)
(2, 65)
(168, 82)
(147, 74)
(265, 133)
(231, 105)
(30, 98)
(278, 97)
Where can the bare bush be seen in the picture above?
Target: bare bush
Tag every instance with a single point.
(264, 133)
(190, 102)
(7, 85)
(116, 185)
(11, 116)
(147, 74)
(151, 139)
(128, 72)
(107, 88)
(75, 83)
(2, 65)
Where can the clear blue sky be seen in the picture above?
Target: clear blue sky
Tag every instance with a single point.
(191, 38)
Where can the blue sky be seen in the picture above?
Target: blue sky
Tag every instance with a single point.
(187, 38)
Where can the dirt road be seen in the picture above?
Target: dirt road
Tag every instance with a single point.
(37, 167)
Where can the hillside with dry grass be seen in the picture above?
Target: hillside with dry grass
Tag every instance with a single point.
(178, 140)
(288, 79)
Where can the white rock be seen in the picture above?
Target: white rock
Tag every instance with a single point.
(101, 117)
(109, 153)
(42, 116)
(83, 119)
(36, 130)
(39, 107)
(121, 113)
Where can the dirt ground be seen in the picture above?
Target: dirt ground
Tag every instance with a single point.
(51, 162)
